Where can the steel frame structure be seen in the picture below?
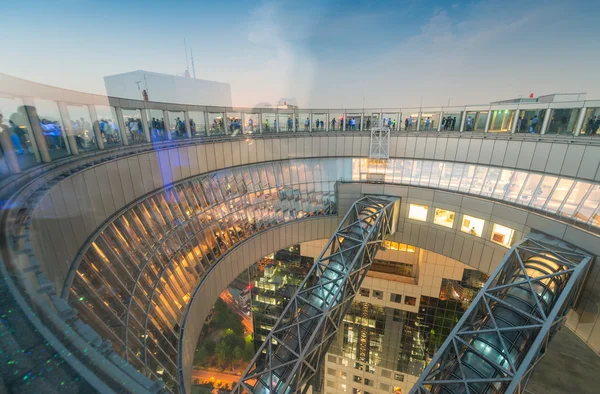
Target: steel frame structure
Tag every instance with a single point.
(292, 352)
(380, 142)
(504, 333)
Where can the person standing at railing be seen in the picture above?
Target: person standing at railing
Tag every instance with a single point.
(306, 124)
(453, 123)
(250, 124)
(333, 124)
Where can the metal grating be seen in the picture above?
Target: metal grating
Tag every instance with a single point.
(503, 335)
(293, 351)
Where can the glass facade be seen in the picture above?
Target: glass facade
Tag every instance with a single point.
(177, 124)
(502, 121)
(234, 123)
(563, 121)
(216, 123)
(15, 122)
(429, 121)
(251, 123)
(451, 121)
(197, 124)
(392, 120)
(561, 196)
(319, 120)
(530, 121)
(156, 122)
(336, 120)
(138, 274)
(304, 122)
(109, 129)
(286, 122)
(353, 122)
(476, 121)
(81, 127)
(269, 122)
(52, 127)
(591, 122)
(132, 119)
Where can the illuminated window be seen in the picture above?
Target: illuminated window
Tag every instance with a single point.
(417, 212)
(502, 235)
(443, 217)
(471, 225)
(398, 246)
(412, 301)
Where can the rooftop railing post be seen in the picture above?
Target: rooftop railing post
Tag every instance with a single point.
(513, 128)
(167, 129)
(36, 128)
(145, 125)
(96, 126)
(121, 123)
(546, 122)
(439, 127)
(66, 121)
(463, 120)
(188, 127)
(419, 120)
(488, 120)
(580, 120)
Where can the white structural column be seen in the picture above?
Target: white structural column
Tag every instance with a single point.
(243, 121)
(167, 124)
(439, 128)
(188, 127)
(546, 121)
(419, 120)
(513, 128)
(294, 118)
(121, 123)
(277, 121)
(206, 124)
(145, 125)
(66, 121)
(344, 122)
(38, 133)
(260, 122)
(96, 126)
(488, 121)
(580, 120)
(463, 120)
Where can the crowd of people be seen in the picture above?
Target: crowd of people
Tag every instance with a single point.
(592, 125)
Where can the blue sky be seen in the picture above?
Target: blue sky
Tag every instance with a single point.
(323, 53)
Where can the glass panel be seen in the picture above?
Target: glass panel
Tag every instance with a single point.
(490, 181)
(417, 212)
(530, 121)
(529, 189)
(156, 122)
(319, 120)
(133, 124)
(391, 120)
(591, 123)
(563, 121)
(472, 225)
(354, 122)
(559, 194)
(451, 121)
(502, 185)
(586, 212)
(250, 123)
(269, 122)
(335, 121)
(410, 122)
(502, 121)
(81, 127)
(197, 124)
(478, 180)
(176, 124)
(543, 191)
(234, 123)
(303, 121)
(215, 123)
(575, 198)
(444, 217)
(502, 235)
(286, 122)
(108, 126)
(429, 121)
(515, 185)
(14, 118)
(476, 121)
(52, 127)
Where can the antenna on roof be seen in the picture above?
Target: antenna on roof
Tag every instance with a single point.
(187, 62)
(193, 66)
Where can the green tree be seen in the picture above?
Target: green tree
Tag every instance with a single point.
(248, 351)
(223, 351)
(238, 353)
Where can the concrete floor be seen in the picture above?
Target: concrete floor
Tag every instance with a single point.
(569, 366)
